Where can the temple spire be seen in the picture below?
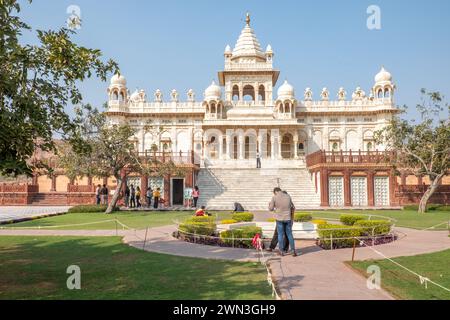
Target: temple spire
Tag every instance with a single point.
(247, 19)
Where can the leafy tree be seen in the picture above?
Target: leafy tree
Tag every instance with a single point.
(37, 82)
(424, 147)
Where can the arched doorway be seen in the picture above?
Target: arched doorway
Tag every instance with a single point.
(286, 146)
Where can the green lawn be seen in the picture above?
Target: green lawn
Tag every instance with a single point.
(404, 285)
(405, 218)
(134, 220)
(35, 268)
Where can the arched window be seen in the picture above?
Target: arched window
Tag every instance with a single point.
(380, 93)
(387, 93)
(287, 108)
(335, 146)
(369, 146)
(115, 96)
(301, 146)
(213, 108)
(249, 93)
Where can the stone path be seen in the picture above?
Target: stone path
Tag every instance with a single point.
(315, 274)
(322, 274)
(21, 212)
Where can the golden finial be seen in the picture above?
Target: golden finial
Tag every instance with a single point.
(247, 20)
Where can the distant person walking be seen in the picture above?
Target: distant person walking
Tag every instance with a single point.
(104, 194)
(149, 196)
(238, 207)
(281, 203)
(132, 197)
(98, 194)
(156, 197)
(138, 197)
(127, 196)
(258, 160)
(195, 196)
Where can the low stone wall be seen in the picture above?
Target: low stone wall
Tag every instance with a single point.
(411, 194)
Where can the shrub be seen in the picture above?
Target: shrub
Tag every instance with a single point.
(244, 232)
(378, 226)
(201, 219)
(229, 221)
(319, 221)
(200, 228)
(271, 220)
(350, 219)
(89, 209)
(326, 231)
(242, 216)
(302, 217)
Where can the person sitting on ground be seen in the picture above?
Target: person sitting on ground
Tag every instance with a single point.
(201, 212)
(238, 207)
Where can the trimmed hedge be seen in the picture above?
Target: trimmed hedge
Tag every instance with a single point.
(202, 225)
(229, 221)
(90, 209)
(341, 231)
(242, 216)
(199, 228)
(244, 232)
(302, 217)
(378, 226)
(350, 219)
(271, 220)
(430, 207)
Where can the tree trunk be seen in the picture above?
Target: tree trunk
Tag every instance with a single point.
(116, 195)
(427, 195)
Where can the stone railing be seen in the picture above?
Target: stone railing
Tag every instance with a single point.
(236, 66)
(323, 157)
(14, 188)
(175, 157)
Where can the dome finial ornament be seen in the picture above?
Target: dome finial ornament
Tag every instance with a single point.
(247, 19)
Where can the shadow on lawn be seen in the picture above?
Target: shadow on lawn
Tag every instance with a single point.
(35, 268)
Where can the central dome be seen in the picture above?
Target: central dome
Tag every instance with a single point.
(118, 79)
(383, 76)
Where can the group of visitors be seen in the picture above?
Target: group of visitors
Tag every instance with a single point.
(133, 196)
(101, 195)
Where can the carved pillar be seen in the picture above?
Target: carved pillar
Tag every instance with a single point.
(272, 147)
(221, 147)
(279, 147)
(370, 188)
(53, 186)
(241, 147)
(324, 196)
(260, 144)
(347, 189)
(228, 147)
(296, 145)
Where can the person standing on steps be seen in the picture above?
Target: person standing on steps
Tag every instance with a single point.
(132, 197)
(156, 196)
(258, 160)
(138, 197)
(195, 196)
(127, 196)
(281, 203)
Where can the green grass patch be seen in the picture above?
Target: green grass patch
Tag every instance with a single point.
(404, 285)
(35, 268)
(134, 220)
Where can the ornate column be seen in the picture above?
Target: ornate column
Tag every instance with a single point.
(228, 147)
(241, 147)
(272, 146)
(279, 147)
(296, 144)
(324, 196)
(347, 188)
(370, 188)
(221, 147)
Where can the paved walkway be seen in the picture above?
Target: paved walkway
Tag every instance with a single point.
(21, 212)
(322, 275)
(315, 274)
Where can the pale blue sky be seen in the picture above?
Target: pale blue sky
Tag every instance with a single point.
(179, 44)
